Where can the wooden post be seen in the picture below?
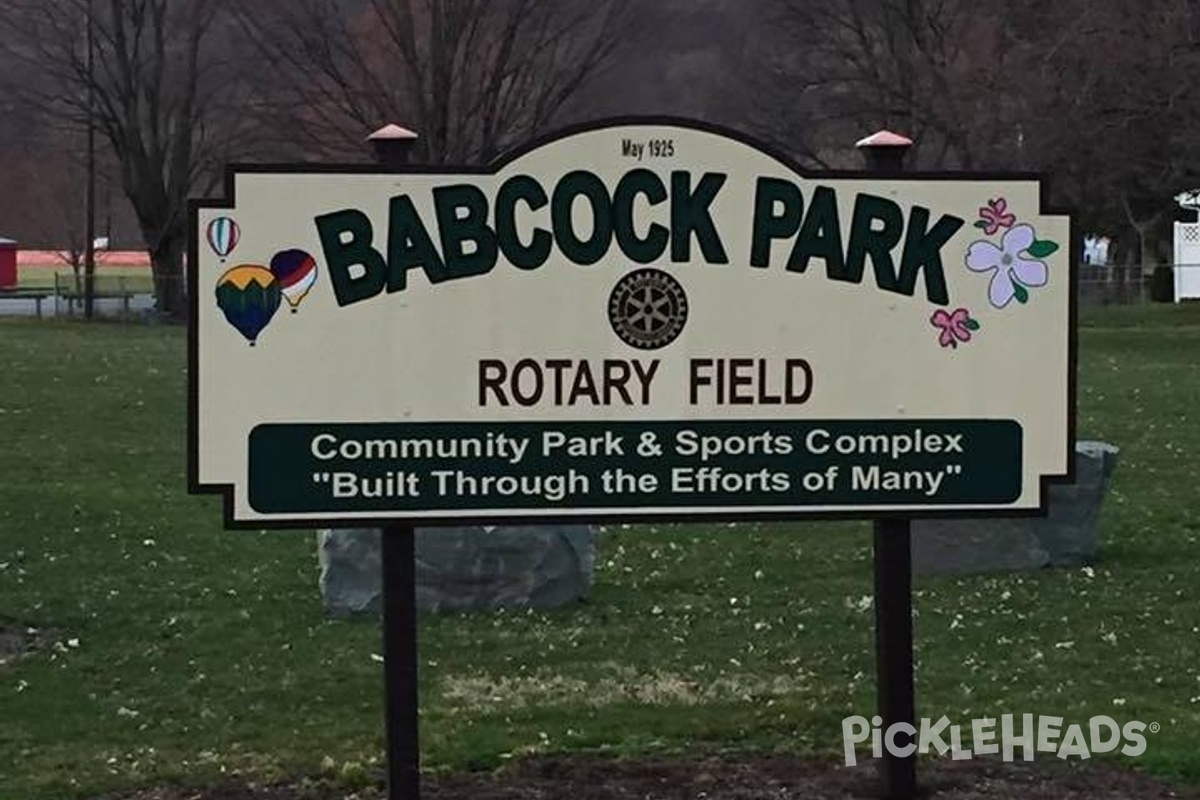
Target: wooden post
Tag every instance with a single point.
(400, 671)
(884, 153)
(392, 145)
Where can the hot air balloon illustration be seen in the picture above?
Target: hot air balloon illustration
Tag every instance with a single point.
(249, 296)
(223, 236)
(296, 272)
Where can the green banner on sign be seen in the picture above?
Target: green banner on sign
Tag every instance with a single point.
(628, 467)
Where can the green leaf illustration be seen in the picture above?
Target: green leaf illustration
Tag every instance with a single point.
(972, 325)
(1042, 248)
(981, 224)
(1021, 293)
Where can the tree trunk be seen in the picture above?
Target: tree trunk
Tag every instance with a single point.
(76, 266)
(167, 265)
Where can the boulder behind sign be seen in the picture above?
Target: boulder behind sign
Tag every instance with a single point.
(1067, 536)
(463, 568)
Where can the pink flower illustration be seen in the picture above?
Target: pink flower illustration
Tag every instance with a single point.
(1013, 271)
(994, 216)
(953, 327)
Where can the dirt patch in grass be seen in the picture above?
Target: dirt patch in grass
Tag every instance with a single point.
(619, 684)
(588, 778)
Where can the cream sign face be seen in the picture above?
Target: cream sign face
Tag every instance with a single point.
(634, 320)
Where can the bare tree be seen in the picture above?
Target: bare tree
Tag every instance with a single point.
(1121, 111)
(48, 211)
(472, 75)
(1099, 93)
(59, 203)
(841, 68)
(160, 93)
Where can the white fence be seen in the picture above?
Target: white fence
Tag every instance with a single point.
(1187, 253)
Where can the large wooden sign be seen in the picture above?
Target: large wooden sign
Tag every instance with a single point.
(636, 319)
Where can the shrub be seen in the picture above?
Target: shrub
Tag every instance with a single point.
(1162, 285)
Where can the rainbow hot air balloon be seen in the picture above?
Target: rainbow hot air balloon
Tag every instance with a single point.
(249, 296)
(223, 235)
(296, 272)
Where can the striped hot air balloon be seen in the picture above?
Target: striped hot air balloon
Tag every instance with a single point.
(296, 272)
(223, 235)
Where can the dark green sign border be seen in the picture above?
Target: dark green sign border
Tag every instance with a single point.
(195, 486)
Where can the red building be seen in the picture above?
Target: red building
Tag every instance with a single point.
(8, 264)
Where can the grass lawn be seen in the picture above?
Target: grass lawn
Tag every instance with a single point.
(180, 651)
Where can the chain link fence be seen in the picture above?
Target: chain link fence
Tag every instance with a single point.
(117, 295)
(1135, 284)
(121, 296)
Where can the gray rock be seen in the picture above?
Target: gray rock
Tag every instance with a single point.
(1067, 536)
(350, 562)
(463, 568)
(1071, 532)
(964, 546)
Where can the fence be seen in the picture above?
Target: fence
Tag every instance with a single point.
(1133, 284)
(121, 295)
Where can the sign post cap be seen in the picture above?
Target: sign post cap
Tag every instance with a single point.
(884, 139)
(884, 151)
(392, 144)
(392, 132)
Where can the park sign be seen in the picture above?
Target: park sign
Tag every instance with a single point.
(635, 319)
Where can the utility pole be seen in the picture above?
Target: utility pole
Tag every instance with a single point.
(89, 245)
